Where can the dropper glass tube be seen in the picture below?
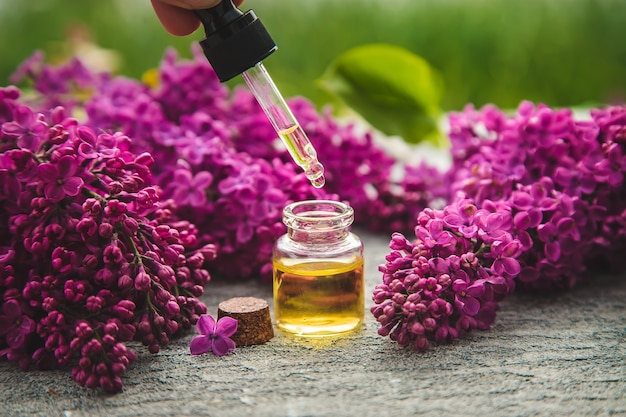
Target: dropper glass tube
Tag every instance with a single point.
(284, 122)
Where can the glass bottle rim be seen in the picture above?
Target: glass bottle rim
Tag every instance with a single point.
(318, 215)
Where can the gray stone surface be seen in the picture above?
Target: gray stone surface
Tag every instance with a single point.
(550, 355)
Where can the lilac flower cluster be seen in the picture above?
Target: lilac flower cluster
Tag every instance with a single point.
(553, 188)
(222, 164)
(90, 258)
(451, 277)
(574, 168)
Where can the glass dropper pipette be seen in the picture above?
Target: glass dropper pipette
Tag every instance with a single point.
(236, 43)
(285, 124)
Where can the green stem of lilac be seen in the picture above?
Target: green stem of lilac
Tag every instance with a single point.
(150, 304)
(482, 250)
(88, 193)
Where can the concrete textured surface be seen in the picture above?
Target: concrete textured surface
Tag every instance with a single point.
(548, 355)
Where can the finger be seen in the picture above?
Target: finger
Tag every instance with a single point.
(175, 20)
(178, 20)
(192, 4)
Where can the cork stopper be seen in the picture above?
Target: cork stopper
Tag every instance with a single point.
(253, 316)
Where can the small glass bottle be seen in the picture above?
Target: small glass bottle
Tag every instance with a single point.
(318, 270)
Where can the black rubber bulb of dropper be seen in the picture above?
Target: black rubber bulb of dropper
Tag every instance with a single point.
(235, 41)
(218, 16)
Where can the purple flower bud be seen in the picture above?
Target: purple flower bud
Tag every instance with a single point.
(126, 332)
(90, 261)
(380, 294)
(108, 340)
(130, 225)
(144, 326)
(119, 350)
(83, 330)
(421, 343)
(92, 381)
(105, 230)
(84, 363)
(183, 274)
(389, 310)
(124, 282)
(93, 347)
(123, 313)
(87, 227)
(416, 328)
(94, 303)
(158, 320)
(171, 326)
(144, 159)
(398, 298)
(132, 184)
(115, 187)
(399, 242)
(105, 276)
(101, 369)
(172, 308)
(76, 344)
(167, 275)
(118, 368)
(111, 328)
(196, 260)
(385, 329)
(430, 324)
(142, 281)
(79, 375)
(147, 197)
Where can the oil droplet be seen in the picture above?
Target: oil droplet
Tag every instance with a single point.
(319, 182)
(315, 174)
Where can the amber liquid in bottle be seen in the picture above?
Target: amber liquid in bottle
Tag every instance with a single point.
(318, 298)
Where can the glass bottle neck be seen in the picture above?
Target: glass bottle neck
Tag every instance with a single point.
(318, 221)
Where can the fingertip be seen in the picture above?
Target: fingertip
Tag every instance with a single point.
(177, 21)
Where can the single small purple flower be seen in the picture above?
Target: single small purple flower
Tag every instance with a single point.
(59, 178)
(29, 128)
(189, 189)
(430, 287)
(14, 325)
(214, 336)
(611, 169)
(506, 257)
(553, 236)
(467, 296)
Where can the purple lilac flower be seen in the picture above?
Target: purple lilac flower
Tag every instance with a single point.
(61, 85)
(14, 325)
(28, 128)
(446, 282)
(189, 189)
(59, 178)
(556, 171)
(214, 336)
(91, 254)
(189, 86)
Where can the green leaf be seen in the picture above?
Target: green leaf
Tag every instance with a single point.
(396, 91)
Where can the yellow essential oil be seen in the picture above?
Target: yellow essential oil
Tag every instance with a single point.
(318, 298)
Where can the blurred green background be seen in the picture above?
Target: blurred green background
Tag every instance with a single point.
(560, 52)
